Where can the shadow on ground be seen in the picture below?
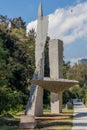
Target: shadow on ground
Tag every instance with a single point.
(81, 124)
(49, 120)
(80, 115)
(8, 122)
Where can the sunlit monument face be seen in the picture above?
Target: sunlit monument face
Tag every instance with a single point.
(42, 28)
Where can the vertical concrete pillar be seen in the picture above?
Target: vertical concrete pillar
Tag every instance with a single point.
(56, 71)
(35, 102)
(56, 103)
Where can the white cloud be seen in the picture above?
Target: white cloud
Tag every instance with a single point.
(75, 60)
(31, 25)
(67, 24)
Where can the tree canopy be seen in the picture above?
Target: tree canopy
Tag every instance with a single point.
(17, 63)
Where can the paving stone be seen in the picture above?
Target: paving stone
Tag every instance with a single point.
(80, 116)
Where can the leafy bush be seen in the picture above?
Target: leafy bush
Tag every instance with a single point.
(10, 100)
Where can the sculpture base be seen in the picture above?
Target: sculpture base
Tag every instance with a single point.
(27, 122)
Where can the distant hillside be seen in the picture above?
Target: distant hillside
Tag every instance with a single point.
(82, 61)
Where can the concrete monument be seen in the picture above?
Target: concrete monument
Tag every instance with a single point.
(35, 103)
(55, 83)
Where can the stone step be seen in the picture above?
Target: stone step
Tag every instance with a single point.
(27, 122)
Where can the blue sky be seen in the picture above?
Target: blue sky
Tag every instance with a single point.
(76, 46)
(27, 9)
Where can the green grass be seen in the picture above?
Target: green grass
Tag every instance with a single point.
(62, 121)
(9, 128)
(8, 122)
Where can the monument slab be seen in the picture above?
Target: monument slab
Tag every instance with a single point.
(27, 122)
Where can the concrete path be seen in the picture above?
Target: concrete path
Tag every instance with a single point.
(80, 116)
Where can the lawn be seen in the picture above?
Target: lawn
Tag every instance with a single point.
(62, 121)
(8, 122)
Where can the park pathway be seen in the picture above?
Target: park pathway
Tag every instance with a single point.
(80, 116)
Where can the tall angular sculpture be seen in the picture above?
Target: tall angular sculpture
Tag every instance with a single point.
(35, 103)
(55, 84)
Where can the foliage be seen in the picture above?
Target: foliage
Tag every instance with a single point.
(17, 63)
(78, 72)
(17, 23)
(66, 67)
(10, 99)
(3, 64)
(46, 99)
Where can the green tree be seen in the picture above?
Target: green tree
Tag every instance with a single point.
(79, 72)
(3, 64)
(17, 65)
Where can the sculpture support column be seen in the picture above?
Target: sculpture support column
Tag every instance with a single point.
(56, 103)
(56, 72)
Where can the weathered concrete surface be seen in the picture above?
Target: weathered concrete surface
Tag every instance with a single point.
(56, 103)
(55, 86)
(27, 122)
(33, 108)
(56, 59)
(56, 72)
(35, 102)
(80, 116)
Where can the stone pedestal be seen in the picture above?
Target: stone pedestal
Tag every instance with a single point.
(69, 105)
(27, 122)
(56, 72)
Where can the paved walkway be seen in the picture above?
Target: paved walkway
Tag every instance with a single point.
(80, 116)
